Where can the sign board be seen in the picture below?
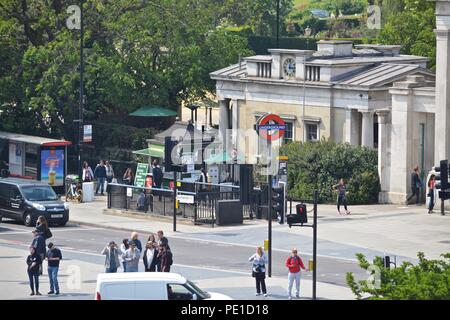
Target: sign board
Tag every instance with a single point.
(141, 174)
(129, 192)
(87, 133)
(52, 166)
(271, 122)
(183, 198)
(190, 168)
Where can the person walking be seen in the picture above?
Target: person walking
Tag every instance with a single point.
(109, 172)
(259, 261)
(150, 257)
(42, 227)
(134, 238)
(294, 264)
(123, 248)
(112, 257)
(100, 175)
(54, 256)
(34, 263)
(88, 175)
(341, 197)
(416, 184)
(128, 177)
(38, 244)
(165, 258)
(132, 256)
(431, 191)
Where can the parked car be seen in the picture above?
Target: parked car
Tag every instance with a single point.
(25, 200)
(150, 286)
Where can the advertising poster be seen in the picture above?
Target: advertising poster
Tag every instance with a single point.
(87, 133)
(52, 167)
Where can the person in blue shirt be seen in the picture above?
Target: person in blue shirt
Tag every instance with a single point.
(54, 256)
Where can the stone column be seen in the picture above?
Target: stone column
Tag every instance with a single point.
(442, 119)
(383, 153)
(223, 120)
(367, 128)
(351, 126)
(234, 122)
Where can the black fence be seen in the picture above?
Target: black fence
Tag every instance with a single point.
(197, 201)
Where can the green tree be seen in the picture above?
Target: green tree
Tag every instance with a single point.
(427, 280)
(412, 28)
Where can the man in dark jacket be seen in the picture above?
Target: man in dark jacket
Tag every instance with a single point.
(39, 245)
(416, 184)
(100, 175)
(150, 257)
(157, 178)
(54, 256)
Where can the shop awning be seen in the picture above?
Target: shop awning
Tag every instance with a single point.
(155, 150)
(153, 111)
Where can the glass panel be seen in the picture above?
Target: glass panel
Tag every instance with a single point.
(178, 292)
(31, 159)
(311, 132)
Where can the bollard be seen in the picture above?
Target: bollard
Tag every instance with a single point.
(266, 245)
(311, 265)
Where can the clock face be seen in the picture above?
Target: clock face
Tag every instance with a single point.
(289, 67)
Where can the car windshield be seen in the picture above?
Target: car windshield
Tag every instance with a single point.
(199, 292)
(39, 193)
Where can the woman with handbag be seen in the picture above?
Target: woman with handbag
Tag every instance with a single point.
(258, 261)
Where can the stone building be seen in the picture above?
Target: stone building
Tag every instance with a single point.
(368, 95)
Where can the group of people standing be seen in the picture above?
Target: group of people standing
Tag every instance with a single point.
(417, 185)
(294, 264)
(103, 173)
(39, 252)
(157, 255)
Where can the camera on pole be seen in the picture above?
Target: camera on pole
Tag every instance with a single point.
(278, 202)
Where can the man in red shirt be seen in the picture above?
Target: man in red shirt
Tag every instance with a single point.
(294, 263)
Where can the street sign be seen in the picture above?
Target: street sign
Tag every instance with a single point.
(271, 122)
(141, 175)
(183, 198)
(87, 133)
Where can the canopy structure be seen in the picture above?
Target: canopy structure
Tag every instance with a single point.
(222, 158)
(154, 150)
(153, 111)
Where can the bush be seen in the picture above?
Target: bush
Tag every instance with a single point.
(320, 165)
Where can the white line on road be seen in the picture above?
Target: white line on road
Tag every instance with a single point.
(22, 231)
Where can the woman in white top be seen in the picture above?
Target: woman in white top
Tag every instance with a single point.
(123, 248)
(259, 261)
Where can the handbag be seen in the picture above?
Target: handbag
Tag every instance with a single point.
(47, 234)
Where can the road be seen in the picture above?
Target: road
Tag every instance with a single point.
(217, 266)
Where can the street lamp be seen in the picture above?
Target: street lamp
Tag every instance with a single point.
(193, 108)
(307, 35)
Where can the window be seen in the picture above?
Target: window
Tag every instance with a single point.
(31, 160)
(288, 133)
(15, 193)
(312, 132)
(312, 73)
(178, 292)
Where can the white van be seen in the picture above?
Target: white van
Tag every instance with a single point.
(150, 286)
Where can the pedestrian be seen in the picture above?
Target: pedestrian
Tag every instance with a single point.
(259, 261)
(431, 191)
(141, 201)
(109, 172)
(165, 258)
(134, 238)
(123, 248)
(54, 256)
(161, 239)
(128, 177)
(42, 227)
(202, 185)
(34, 263)
(341, 197)
(416, 184)
(158, 177)
(112, 257)
(100, 175)
(132, 256)
(294, 263)
(150, 257)
(88, 175)
(38, 244)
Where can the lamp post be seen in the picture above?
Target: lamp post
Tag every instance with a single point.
(307, 34)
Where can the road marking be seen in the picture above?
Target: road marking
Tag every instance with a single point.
(22, 231)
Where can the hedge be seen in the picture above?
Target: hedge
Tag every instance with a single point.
(320, 165)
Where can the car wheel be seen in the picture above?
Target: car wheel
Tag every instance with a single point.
(28, 219)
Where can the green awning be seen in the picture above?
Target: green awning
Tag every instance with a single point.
(153, 111)
(155, 150)
(221, 158)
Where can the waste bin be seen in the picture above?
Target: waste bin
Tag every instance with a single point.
(88, 191)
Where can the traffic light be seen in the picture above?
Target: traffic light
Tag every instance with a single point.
(300, 216)
(442, 175)
(278, 202)
(246, 183)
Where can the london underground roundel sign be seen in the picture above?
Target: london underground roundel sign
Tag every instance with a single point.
(271, 122)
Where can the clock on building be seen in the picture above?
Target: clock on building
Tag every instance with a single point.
(289, 67)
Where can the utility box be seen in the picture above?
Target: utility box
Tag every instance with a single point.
(229, 212)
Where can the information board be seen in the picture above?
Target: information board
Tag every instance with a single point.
(141, 174)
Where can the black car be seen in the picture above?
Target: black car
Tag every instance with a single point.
(26, 200)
